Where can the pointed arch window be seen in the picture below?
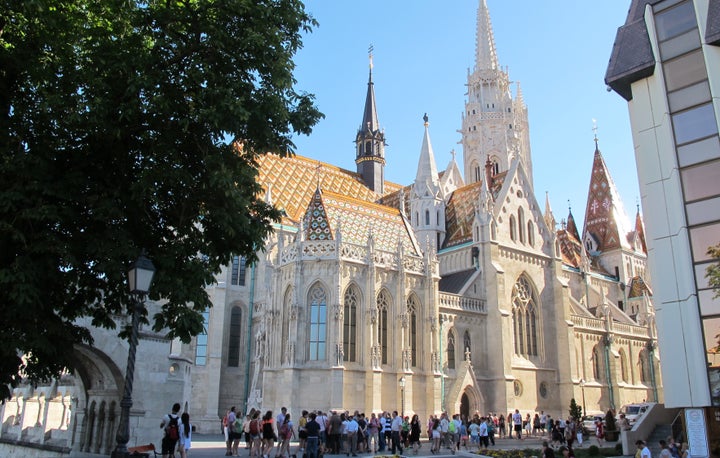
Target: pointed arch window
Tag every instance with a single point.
(234, 337)
(478, 173)
(531, 233)
(451, 350)
(427, 217)
(383, 305)
(513, 230)
(413, 305)
(317, 299)
(644, 368)
(597, 373)
(521, 224)
(350, 303)
(525, 317)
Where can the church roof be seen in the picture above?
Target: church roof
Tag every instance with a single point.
(294, 179)
(455, 282)
(638, 288)
(605, 218)
(570, 248)
(356, 220)
(460, 214)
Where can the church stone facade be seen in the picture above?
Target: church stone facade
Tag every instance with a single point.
(458, 292)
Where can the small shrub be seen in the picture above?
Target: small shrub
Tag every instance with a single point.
(593, 450)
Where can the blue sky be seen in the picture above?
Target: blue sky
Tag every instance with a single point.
(557, 49)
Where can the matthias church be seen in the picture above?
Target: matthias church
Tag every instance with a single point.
(458, 292)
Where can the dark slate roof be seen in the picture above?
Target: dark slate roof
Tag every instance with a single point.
(453, 283)
(632, 58)
(712, 32)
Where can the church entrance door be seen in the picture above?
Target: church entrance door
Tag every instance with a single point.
(465, 408)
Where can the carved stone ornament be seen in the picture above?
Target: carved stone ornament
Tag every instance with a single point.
(373, 315)
(338, 311)
(404, 320)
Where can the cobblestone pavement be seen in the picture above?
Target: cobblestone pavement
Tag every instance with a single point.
(212, 445)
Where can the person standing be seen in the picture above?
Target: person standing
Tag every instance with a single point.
(312, 427)
(185, 440)
(517, 424)
(643, 449)
(334, 433)
(395, 427)
(170, 425)
(374, 428)
(351, 430)
(286, 432)
(483, 433)
(415, 431)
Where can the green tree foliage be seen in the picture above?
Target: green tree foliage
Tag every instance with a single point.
(575, 412)
(119, 121)
(712, 273)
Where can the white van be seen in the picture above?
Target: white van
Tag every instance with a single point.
(634, 411)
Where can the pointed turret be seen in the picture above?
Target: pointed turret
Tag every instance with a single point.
(640, 230)
(427, 203)
(548, 216)
(485, 53)
(571, 227)
(370, 143)
(427, 174)
(606, 226)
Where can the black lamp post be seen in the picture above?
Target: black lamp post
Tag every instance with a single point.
(402, 396)
(582, 387)
(140, 276)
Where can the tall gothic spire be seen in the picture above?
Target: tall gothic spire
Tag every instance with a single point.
(549, 217)
(485, 54)
(370, 142)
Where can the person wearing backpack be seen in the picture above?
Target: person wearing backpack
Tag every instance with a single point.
(170, 425)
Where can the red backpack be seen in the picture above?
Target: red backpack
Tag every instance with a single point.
(254, 428)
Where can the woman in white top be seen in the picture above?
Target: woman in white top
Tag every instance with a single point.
(185, 435)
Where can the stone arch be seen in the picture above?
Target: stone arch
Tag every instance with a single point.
(475, 399)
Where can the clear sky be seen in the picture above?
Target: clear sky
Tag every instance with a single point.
(557, 49)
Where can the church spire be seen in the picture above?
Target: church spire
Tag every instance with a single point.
(548, 216)
(370, 141)
(485, 54)
(571, 227)
(427, 174)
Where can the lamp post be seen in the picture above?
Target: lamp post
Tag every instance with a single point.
(402, 396)
(140, 276)
(582, 387)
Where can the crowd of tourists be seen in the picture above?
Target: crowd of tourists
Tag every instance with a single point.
(268, 436)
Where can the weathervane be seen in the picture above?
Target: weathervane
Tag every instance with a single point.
(595, 129)
(370, 55)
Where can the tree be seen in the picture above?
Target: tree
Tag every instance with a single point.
(129, 125)
(575, 411)
(712, 273)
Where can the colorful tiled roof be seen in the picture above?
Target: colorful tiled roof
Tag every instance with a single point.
(570, 248)
(357, 219)
(638, 288)
(293, 181)
(460, 214)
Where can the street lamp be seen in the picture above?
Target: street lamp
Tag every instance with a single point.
(140, 276)
(582, 387)
(402, 396)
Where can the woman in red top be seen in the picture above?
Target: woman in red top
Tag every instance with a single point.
(599, 431)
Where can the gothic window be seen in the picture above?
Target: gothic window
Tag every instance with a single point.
(413, 306)
(350, 303)
(317, 300)
(427, 217)
(495, 168)
(478, 174)
(513, 231)
(467, 345)
(451, 350)
(238, 271)
(234, 340)
(623, 366)
(531, 233)
(417, 219)
(525, 317)
(201, 341)
(368, 148)
(521, 224)
(383, 305)
(597, 374)
(437, 218)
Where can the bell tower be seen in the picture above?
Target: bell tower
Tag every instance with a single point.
(370, 142)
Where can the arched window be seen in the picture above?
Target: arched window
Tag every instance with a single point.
(383, 305)
(317, 300)
(531, 233)
(368, 148)
(521, 224)
(237, 276)
(287, 304)
(478, 173)
(350, 303)
(234, 337)
(597, 373)
(513, 230)
(623, 366)
(451, 350)
(467, 345)
(413, 305)
(427, 217)
(525, 316)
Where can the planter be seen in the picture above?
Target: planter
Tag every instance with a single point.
(612, 436)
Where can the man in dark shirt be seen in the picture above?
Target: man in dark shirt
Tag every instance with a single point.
(313, 433)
